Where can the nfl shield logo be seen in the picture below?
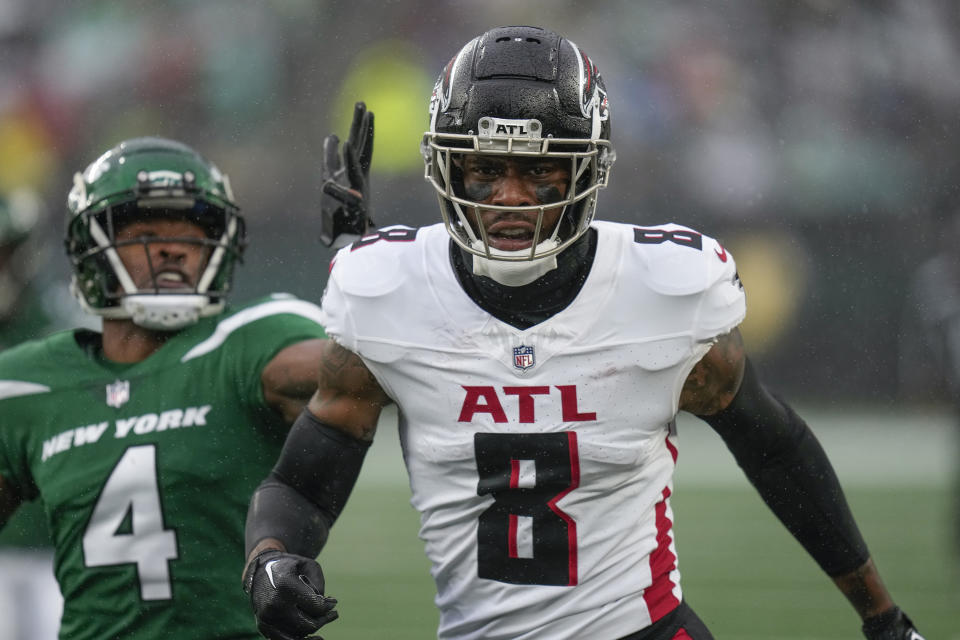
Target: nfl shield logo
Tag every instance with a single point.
(118, 393)
(523, 357)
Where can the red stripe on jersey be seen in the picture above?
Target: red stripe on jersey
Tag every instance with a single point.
(571, 523)
(512, 524)
(659, 595)
(681, 635)
(673, 450)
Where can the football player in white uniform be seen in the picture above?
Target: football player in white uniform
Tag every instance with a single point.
(538, 359)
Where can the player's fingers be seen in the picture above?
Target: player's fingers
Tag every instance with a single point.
(319, 611)
(313, 608)
(355, 174)
(331, 156)
(333, 614)
(349, 197)
(366, 148)
(356, 126)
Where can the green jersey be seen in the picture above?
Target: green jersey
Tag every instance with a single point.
(145, 470)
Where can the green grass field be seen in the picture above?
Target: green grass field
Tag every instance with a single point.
(742, 572)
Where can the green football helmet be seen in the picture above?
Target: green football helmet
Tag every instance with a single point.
(141, 179)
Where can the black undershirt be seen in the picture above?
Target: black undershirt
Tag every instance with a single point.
(530, 304)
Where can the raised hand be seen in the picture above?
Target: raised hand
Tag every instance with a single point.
(345, 203)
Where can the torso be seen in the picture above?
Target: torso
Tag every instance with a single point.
(145, 470)
(526, 448)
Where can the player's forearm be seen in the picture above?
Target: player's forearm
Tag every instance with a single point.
(865, 590)
(308, 487)
(280, 517)
(783, 460)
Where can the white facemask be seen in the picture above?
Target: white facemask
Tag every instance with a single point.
(514, 273)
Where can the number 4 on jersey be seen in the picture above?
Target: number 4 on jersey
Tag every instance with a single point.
(131, 494)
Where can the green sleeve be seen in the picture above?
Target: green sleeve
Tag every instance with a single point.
(261, 340)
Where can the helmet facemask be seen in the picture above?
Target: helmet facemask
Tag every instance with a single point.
(586, 162)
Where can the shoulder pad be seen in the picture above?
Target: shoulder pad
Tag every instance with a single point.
(368, 267)
(30, 355)
(35, 361)
(277, 306)
(274, 304)
(680, 261)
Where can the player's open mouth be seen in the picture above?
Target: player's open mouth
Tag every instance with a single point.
(510, 236)
(172, 280)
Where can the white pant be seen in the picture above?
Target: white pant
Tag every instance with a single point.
(30, 600)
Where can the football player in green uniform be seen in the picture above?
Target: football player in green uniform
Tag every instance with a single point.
(144, 441)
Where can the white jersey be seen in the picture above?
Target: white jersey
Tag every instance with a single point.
(540, 460)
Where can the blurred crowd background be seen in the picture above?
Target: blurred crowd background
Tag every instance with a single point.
(817, 139)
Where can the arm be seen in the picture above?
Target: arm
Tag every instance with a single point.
(320, 460)
(292, 510)
(783, 460)
(290, 378)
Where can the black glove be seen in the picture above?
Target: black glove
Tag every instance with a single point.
(286, 592)
(892, 624)
(345, 203)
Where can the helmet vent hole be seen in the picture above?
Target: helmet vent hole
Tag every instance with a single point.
(511, 38)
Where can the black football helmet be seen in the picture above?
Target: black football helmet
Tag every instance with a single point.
(519, 91)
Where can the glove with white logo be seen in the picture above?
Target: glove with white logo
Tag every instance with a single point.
(892, 624)
(286, 592)
(345, 203)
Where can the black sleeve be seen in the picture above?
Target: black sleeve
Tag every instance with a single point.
(784, 461)
(307, 488)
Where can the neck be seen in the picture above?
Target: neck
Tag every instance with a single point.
(530, 304)
(123, 341)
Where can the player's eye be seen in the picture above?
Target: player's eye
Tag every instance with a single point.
(487, 171)
(544, 170)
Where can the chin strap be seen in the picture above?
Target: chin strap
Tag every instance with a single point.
(515, 273)
(167, 312)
